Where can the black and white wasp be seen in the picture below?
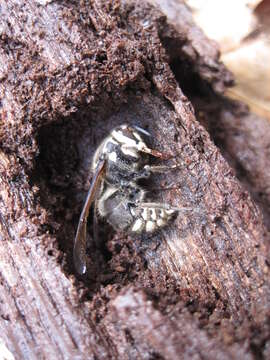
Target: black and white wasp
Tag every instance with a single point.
(118, 163)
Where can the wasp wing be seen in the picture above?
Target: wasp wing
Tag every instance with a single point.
(95, 226)
(79, 249)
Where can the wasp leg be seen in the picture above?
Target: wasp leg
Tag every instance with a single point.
(160, 168)
(167, 207)
(148, 170)
(153, 216)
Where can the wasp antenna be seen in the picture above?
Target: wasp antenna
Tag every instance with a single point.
(155, 153)
(143, 131)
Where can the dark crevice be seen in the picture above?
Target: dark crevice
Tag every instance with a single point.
(189, 81)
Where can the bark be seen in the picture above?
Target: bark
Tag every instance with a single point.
(70, 71)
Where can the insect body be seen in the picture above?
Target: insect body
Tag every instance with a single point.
(118, 163)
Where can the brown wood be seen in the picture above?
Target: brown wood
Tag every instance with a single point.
(70, 71)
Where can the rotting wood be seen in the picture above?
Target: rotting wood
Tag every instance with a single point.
(242, 137)
(206, 277)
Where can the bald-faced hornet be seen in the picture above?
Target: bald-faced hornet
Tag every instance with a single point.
(118, 163)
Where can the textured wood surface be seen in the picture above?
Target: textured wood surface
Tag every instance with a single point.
(70, 71)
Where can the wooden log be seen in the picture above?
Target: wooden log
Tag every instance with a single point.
(244, 141)
(169, 337)
(70, 71)
(241, 136)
